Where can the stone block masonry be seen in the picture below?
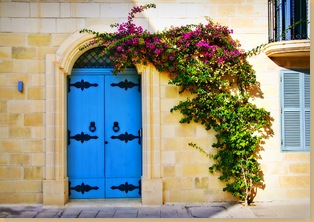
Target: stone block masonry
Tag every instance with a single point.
(38, 40)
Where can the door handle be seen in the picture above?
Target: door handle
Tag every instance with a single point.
(92, 126)
(116, 127)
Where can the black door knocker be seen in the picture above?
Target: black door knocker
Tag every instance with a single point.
(92, 127)
(116, 127)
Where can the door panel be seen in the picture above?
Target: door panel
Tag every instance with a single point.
(127, 187)
(90, 188)
(104, 136)
(123, 133)
(85, 140)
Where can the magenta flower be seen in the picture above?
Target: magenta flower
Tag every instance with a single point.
(157, 51)
(150, 45)
(119, 48)
(135, 41)
(203, 43)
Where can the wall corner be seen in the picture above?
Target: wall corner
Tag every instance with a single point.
(152, 191)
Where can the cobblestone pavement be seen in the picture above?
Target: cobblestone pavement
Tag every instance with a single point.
(296, 210)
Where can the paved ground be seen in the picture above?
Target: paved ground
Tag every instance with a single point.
(296, 210)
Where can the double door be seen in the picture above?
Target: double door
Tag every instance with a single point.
(104, 134)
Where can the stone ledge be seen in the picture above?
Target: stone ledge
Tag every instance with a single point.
(293, 48)
(290, 54)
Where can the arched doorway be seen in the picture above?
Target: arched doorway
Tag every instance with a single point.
(58, 67)
(104, 152)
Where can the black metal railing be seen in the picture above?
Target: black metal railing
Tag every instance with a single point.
(288, 20)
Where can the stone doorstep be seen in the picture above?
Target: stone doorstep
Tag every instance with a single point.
(205, 211)
(88, 214)
(104, 214)
(215, 210)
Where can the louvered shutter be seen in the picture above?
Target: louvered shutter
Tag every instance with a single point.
(307, 110)
(295, 111)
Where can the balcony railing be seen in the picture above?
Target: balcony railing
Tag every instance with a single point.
(288, 20)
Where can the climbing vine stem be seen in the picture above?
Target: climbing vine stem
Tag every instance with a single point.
(206, 61)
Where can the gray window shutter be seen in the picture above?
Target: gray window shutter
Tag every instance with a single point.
(295, 111)
(291, 111)
(307, 110)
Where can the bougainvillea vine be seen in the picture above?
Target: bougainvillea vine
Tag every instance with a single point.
(206, 61)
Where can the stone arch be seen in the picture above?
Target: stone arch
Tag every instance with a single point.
(58, 67)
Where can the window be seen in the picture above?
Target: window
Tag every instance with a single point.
(288, 20)
(295, 113)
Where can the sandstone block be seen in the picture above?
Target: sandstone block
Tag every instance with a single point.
(23, 52)
(5, 25)
(19, 106)
(185, 130)
(26, 25)
(58, 39)
(297, 157)
(178, 183)
(33, 172)
(11, 93)
(5, 52)
(20, 132)
(152, 191)
(13, 79)
(170, 92)
(33, 146)
(12, 39)
(195, 169)
(17, 198)
(227, 10)
(38, 159)
(10, 146)
(85, 10)
(10, 172)
(14, 9)
(20, 159)
(167, 131)
(300, 168)
(185, 156)
(169, 171)
(168, 157)
(4, 132)
(6, 66)
(43, 51)
(28, 186)
(6, 186)
(36, 93)
(11, 119)
(46, 9)
(33, 119)
(294, 181)
(173, 196)
(298, 193)
(201, 182)
(4, 159)
(39, 40)
(28, 66)
(192, 196)
(49, 25)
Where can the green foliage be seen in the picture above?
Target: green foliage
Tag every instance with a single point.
(204, 60)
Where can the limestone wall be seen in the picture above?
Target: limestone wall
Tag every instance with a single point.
(32, 31)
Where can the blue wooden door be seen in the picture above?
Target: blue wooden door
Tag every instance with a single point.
(104, 134)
